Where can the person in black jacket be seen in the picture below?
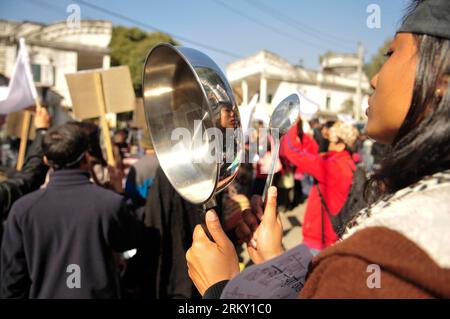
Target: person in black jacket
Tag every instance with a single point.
(59, 241)
(33, 171)
(170, 221)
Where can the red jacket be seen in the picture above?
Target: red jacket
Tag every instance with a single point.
(333, 171)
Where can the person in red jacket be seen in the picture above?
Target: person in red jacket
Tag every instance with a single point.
(333, 172)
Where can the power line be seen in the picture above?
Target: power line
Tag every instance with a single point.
(267, 26)
(141, 24)
(151, 27)
(296, 24)
(51, 7)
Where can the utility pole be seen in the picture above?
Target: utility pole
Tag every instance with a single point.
(357, 105)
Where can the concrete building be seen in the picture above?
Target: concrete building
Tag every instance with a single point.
(56, 49)
(333, 88)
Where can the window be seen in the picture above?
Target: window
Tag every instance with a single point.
(36, 69)
(328, 102)
(43, 74)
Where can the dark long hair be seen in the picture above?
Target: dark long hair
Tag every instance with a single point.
(422, 144)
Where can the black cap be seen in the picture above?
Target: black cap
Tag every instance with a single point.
(431, 17)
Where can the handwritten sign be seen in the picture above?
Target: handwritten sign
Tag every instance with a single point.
(279, 278)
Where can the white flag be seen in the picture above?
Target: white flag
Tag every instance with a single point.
(21, 91)
(307, 107)
(246, 112)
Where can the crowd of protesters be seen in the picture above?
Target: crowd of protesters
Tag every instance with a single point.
(75, 227)
(404, 228)
(124, 225)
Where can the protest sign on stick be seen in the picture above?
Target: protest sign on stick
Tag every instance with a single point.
(14, 123)
(95, 93)
(27, 132)
(103, 122)
(23, 139)
(139, 115)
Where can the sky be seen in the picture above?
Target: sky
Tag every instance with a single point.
(297, 30)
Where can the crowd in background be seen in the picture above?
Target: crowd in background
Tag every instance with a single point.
(154, 266)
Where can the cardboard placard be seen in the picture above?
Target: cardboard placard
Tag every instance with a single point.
(83, 94)
(139, 115)
(14, 122)
(117, 88)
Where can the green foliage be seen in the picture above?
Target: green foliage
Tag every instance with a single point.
(378, 60)
(326, 55)
(129, 46)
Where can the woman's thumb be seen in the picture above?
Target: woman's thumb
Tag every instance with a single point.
(270, 212)
(215, 228)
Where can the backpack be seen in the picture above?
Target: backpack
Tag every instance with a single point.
(353, 204)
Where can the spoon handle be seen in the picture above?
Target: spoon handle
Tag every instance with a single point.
(273, 161)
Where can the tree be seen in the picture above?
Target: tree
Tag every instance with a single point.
(326, 55)
(129, 46)
(377, 60)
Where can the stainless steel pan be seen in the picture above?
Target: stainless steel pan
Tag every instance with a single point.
(183, 87)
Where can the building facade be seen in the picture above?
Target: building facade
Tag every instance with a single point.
(56, 49)
(334, 88)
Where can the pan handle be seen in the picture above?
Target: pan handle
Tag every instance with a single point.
(211, 204)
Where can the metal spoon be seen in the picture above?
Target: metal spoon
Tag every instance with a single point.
(282, 119)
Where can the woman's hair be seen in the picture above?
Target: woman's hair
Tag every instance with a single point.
(422, 144)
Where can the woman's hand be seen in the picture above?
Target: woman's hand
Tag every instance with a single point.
(263, 233)
(210, 262)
